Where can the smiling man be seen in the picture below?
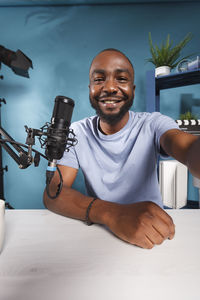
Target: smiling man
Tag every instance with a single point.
(117, 151)
(112, 88)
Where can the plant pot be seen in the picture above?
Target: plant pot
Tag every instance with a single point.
(162, 71)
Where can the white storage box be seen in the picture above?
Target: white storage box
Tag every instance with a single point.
(173, 177)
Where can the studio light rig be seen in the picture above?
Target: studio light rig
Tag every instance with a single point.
(55, 137)
(17, 61)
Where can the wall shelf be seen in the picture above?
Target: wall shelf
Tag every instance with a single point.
(155, 85)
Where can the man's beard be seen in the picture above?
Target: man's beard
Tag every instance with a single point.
(111, 119)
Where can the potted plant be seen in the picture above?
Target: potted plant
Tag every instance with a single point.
(188, 115)
(167, 57)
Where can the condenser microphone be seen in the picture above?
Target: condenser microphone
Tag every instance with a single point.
(57, 134)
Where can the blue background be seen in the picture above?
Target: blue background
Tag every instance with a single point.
(61, 42)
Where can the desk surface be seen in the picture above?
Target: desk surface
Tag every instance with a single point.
(50, 257)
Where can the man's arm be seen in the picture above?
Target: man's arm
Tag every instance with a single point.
(143, 224)
(184, 147)
(70, 202)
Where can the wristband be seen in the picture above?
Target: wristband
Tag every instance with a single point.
(87, 219)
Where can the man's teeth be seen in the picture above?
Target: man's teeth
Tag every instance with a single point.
(111, 101)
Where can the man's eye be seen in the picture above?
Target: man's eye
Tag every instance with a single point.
(97, 80)
(122, 79)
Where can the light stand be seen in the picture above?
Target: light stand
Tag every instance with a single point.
(1, 165)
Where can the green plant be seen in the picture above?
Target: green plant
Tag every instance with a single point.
(166, 55)
(188, 116)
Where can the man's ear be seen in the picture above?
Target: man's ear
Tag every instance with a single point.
(134, 86)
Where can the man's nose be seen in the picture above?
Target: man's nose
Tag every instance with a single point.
(110, 86)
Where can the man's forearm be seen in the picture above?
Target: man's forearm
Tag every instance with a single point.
(193, 158)
(73, 204)
(184, 147)
(143, 224)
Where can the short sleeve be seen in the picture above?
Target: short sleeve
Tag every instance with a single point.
(69, 159)
(161, 124)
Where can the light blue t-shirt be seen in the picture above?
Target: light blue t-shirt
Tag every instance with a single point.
(120, 167)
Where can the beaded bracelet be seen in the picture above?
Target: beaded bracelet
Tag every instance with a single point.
(87, 219)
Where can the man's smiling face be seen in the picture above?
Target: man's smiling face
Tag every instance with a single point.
(111, 85)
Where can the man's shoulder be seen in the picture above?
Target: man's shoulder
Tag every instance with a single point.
(153, 120)
(86, 123)
(147, 116)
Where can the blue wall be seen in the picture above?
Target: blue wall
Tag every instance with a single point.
(61, 41)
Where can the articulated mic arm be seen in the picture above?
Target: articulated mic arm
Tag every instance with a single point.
(24, 158)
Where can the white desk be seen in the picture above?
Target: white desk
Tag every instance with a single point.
(50, 257)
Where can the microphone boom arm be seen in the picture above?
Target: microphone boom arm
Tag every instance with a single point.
(24, 159)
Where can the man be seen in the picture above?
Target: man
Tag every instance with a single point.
(117, 151)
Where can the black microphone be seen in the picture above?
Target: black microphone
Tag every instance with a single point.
(57, 133)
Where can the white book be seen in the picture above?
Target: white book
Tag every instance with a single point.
(173, 178)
